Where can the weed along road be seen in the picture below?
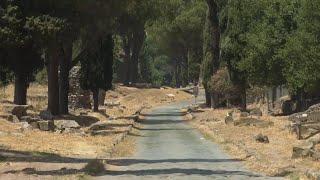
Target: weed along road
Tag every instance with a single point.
(170, 149)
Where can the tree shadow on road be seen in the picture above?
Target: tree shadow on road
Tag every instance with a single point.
(173, 114)
(161, 121)
(148, 172)
(126, 162)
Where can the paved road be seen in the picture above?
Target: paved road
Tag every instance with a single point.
(170, 149)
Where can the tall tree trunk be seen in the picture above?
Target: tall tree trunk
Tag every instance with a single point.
(175, 69)
(179, 74)
(214, 21)
(208, 97)
(274, 95)
(138, 40)
(301, 100)
(65, 66)
(126, 39)
(52, 58)
(243, 97)
(20, 89)
(95, 94)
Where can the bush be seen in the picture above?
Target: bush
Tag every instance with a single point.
(94, 167)
(221, 84)
(42, 77)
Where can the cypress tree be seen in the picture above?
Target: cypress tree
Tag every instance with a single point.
(97, 68)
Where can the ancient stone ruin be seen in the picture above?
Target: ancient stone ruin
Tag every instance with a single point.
(78, 98)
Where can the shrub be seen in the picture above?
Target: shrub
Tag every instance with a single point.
(94, 167)
(221, 84)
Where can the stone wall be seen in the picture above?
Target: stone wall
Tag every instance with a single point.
(78, 98)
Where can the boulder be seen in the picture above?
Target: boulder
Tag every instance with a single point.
(26, 126)
(261, 138)
(302, 149)
(313, 108)
(256, 112)
(253, 122)
(46, 125)
(284, 106)
(25, 118)
(314, 139)
(244, 114)
(298, 117)
(14, 119)
(29, 119)
(18, 110)
(46, 115)
(34, 125)
(315, 156)
(72, 131)
(64, 124)
(102, 125)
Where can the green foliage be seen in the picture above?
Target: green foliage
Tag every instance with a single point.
(301, 52)
(178, 31)
(97, 66)
(41, 76)
(18, 52)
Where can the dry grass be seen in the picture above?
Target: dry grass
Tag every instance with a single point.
(128, 147)
(60, 144)
(270, 158)
(133, 98)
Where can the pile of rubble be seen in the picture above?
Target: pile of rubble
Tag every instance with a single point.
(78, 98)
(309, 122)
(43, 121)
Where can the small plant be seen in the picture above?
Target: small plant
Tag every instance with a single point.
(94, 167)
(2, 159)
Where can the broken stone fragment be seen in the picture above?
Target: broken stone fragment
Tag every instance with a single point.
(46, 125)
(302, 149)
(261, 138)
(14, 119)
(64, 124)
(18, 110)
(26, 126)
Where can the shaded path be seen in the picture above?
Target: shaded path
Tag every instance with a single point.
(169, 149)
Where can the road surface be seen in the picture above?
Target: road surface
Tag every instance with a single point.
(170, 149)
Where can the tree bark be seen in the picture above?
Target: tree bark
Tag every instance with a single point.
(52, 58)
(214, 21)
(20, 89)
(65, 66)
(243, 97)
(95, 94)
(208, 97)
(126, 39)
(301, 100)
(138, 40)
(179, 74)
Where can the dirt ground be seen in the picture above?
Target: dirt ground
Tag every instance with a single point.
(43, 154)
(273, 159)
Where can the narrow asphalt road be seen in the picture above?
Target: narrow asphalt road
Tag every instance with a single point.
(170, 149)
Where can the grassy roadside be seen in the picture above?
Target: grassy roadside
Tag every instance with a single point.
(273, 159)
